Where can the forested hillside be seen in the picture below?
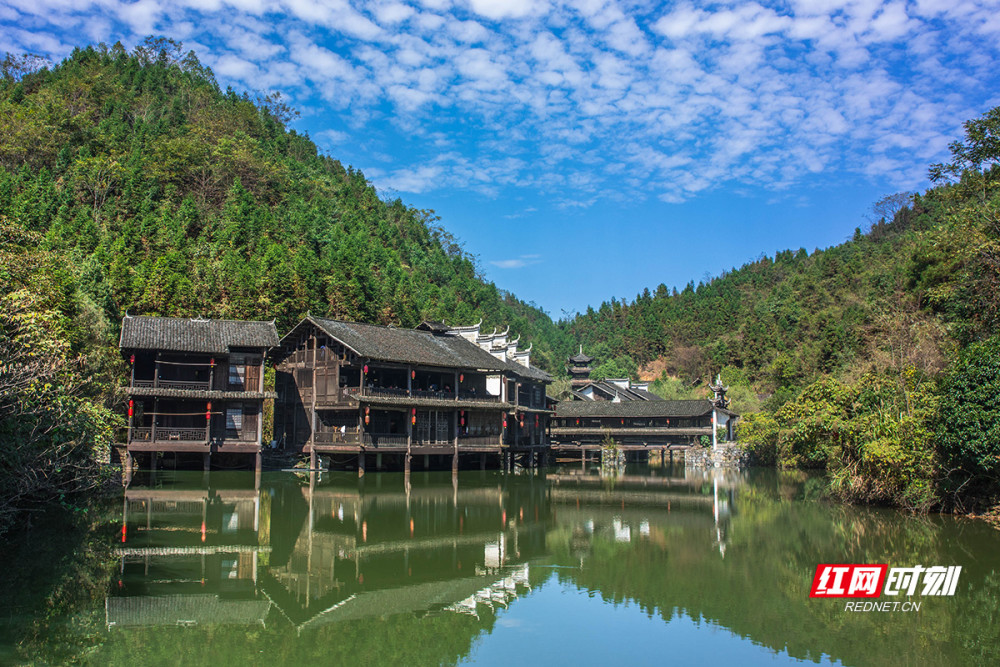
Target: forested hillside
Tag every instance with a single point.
(875, 359)
(132, 182)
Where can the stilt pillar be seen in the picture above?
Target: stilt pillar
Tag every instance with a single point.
(482, 461)
(361, 464)
(129, 467)
(312, 458)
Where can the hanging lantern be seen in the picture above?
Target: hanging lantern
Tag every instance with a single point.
(130, 407)
(505, 421)
(577, 422)
(131, 359)
(536, 421)
(413, 375)
(462, 414)
(367, 419)
(623, 422)
(461, 377)
(366, 369)
(522, 421)
(211, 361)
(413, 417)
(367, 409)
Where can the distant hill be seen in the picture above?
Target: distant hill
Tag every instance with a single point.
(909, 288)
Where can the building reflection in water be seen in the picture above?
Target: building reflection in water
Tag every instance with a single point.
(189, 556)
(312, 551)
(627, 508)
(318, 552)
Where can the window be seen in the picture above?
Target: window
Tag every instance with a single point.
(237, 370)
(234, 419)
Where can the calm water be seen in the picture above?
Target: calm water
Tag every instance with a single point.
(557, 567)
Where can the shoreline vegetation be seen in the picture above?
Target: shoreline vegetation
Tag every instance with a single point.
(131, 182)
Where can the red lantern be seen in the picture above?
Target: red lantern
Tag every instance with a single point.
(130, 407)
(623, 422)
(522, 421)
(366, 369)
(577, 422)
(367, 409)
(413, 417)
(367, 420)
(211, 361)
(413, 375)
(131, 359)
(536, 421)
(461, 377)
(505, 421)
(208, 411)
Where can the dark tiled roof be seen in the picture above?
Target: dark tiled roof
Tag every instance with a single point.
(646, 395)
(434, 326)
(581, 358)
(409, 345)
(529, 372)
(695, 408)
(177, 334)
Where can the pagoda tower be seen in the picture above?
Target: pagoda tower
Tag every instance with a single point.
(579, 369)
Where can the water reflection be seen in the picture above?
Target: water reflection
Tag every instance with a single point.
(297, 567)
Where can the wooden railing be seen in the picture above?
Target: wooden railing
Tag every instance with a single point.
(167, 434)
(475, 396)
(194, 385)
(395, 392)
(377, 440)
(479, 440)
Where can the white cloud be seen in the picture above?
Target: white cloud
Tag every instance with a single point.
(616, 97)
(517, 262)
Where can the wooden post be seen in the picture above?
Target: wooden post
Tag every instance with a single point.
(454, 419)
(206, 461)
(312, 458)
(482, 461)
(129, 467)
(361, 463)
(406, 465)
(312, 398)
(156, 410)
(256, 473)
(378, 461)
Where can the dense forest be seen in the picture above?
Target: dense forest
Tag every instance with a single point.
(877, 359)
(130, 182)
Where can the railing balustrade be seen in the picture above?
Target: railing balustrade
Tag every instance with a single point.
(165, 434)
(479, 440)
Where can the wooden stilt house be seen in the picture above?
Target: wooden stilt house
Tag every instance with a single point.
(356, 389)
(196, 385)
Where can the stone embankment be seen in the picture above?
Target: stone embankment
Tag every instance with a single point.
(723, 455)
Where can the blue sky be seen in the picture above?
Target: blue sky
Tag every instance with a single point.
(586, 150)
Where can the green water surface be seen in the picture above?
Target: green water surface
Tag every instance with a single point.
(558, 566)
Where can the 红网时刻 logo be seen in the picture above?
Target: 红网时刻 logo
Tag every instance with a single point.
(875, 580)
